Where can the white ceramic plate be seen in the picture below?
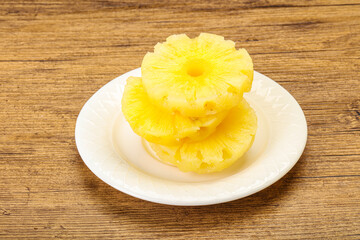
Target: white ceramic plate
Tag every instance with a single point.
(122, 159)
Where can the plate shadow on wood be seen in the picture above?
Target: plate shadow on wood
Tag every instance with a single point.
(147, 215)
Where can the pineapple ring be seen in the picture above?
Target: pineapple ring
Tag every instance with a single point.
(231, 139)
(161, 127)
(197, 77)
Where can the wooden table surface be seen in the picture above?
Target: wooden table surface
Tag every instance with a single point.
(56, 54)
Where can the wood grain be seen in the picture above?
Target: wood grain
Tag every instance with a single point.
(56, 54)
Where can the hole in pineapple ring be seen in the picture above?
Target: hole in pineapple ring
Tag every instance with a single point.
(195, 67)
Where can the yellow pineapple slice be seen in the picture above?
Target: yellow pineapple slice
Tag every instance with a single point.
(197, 77)
(161, 127)
(231, 139)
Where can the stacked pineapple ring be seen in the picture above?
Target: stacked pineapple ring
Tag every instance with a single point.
(189, 105)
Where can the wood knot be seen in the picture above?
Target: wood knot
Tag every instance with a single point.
(354, 107)
(350, 119)
(5, 212)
